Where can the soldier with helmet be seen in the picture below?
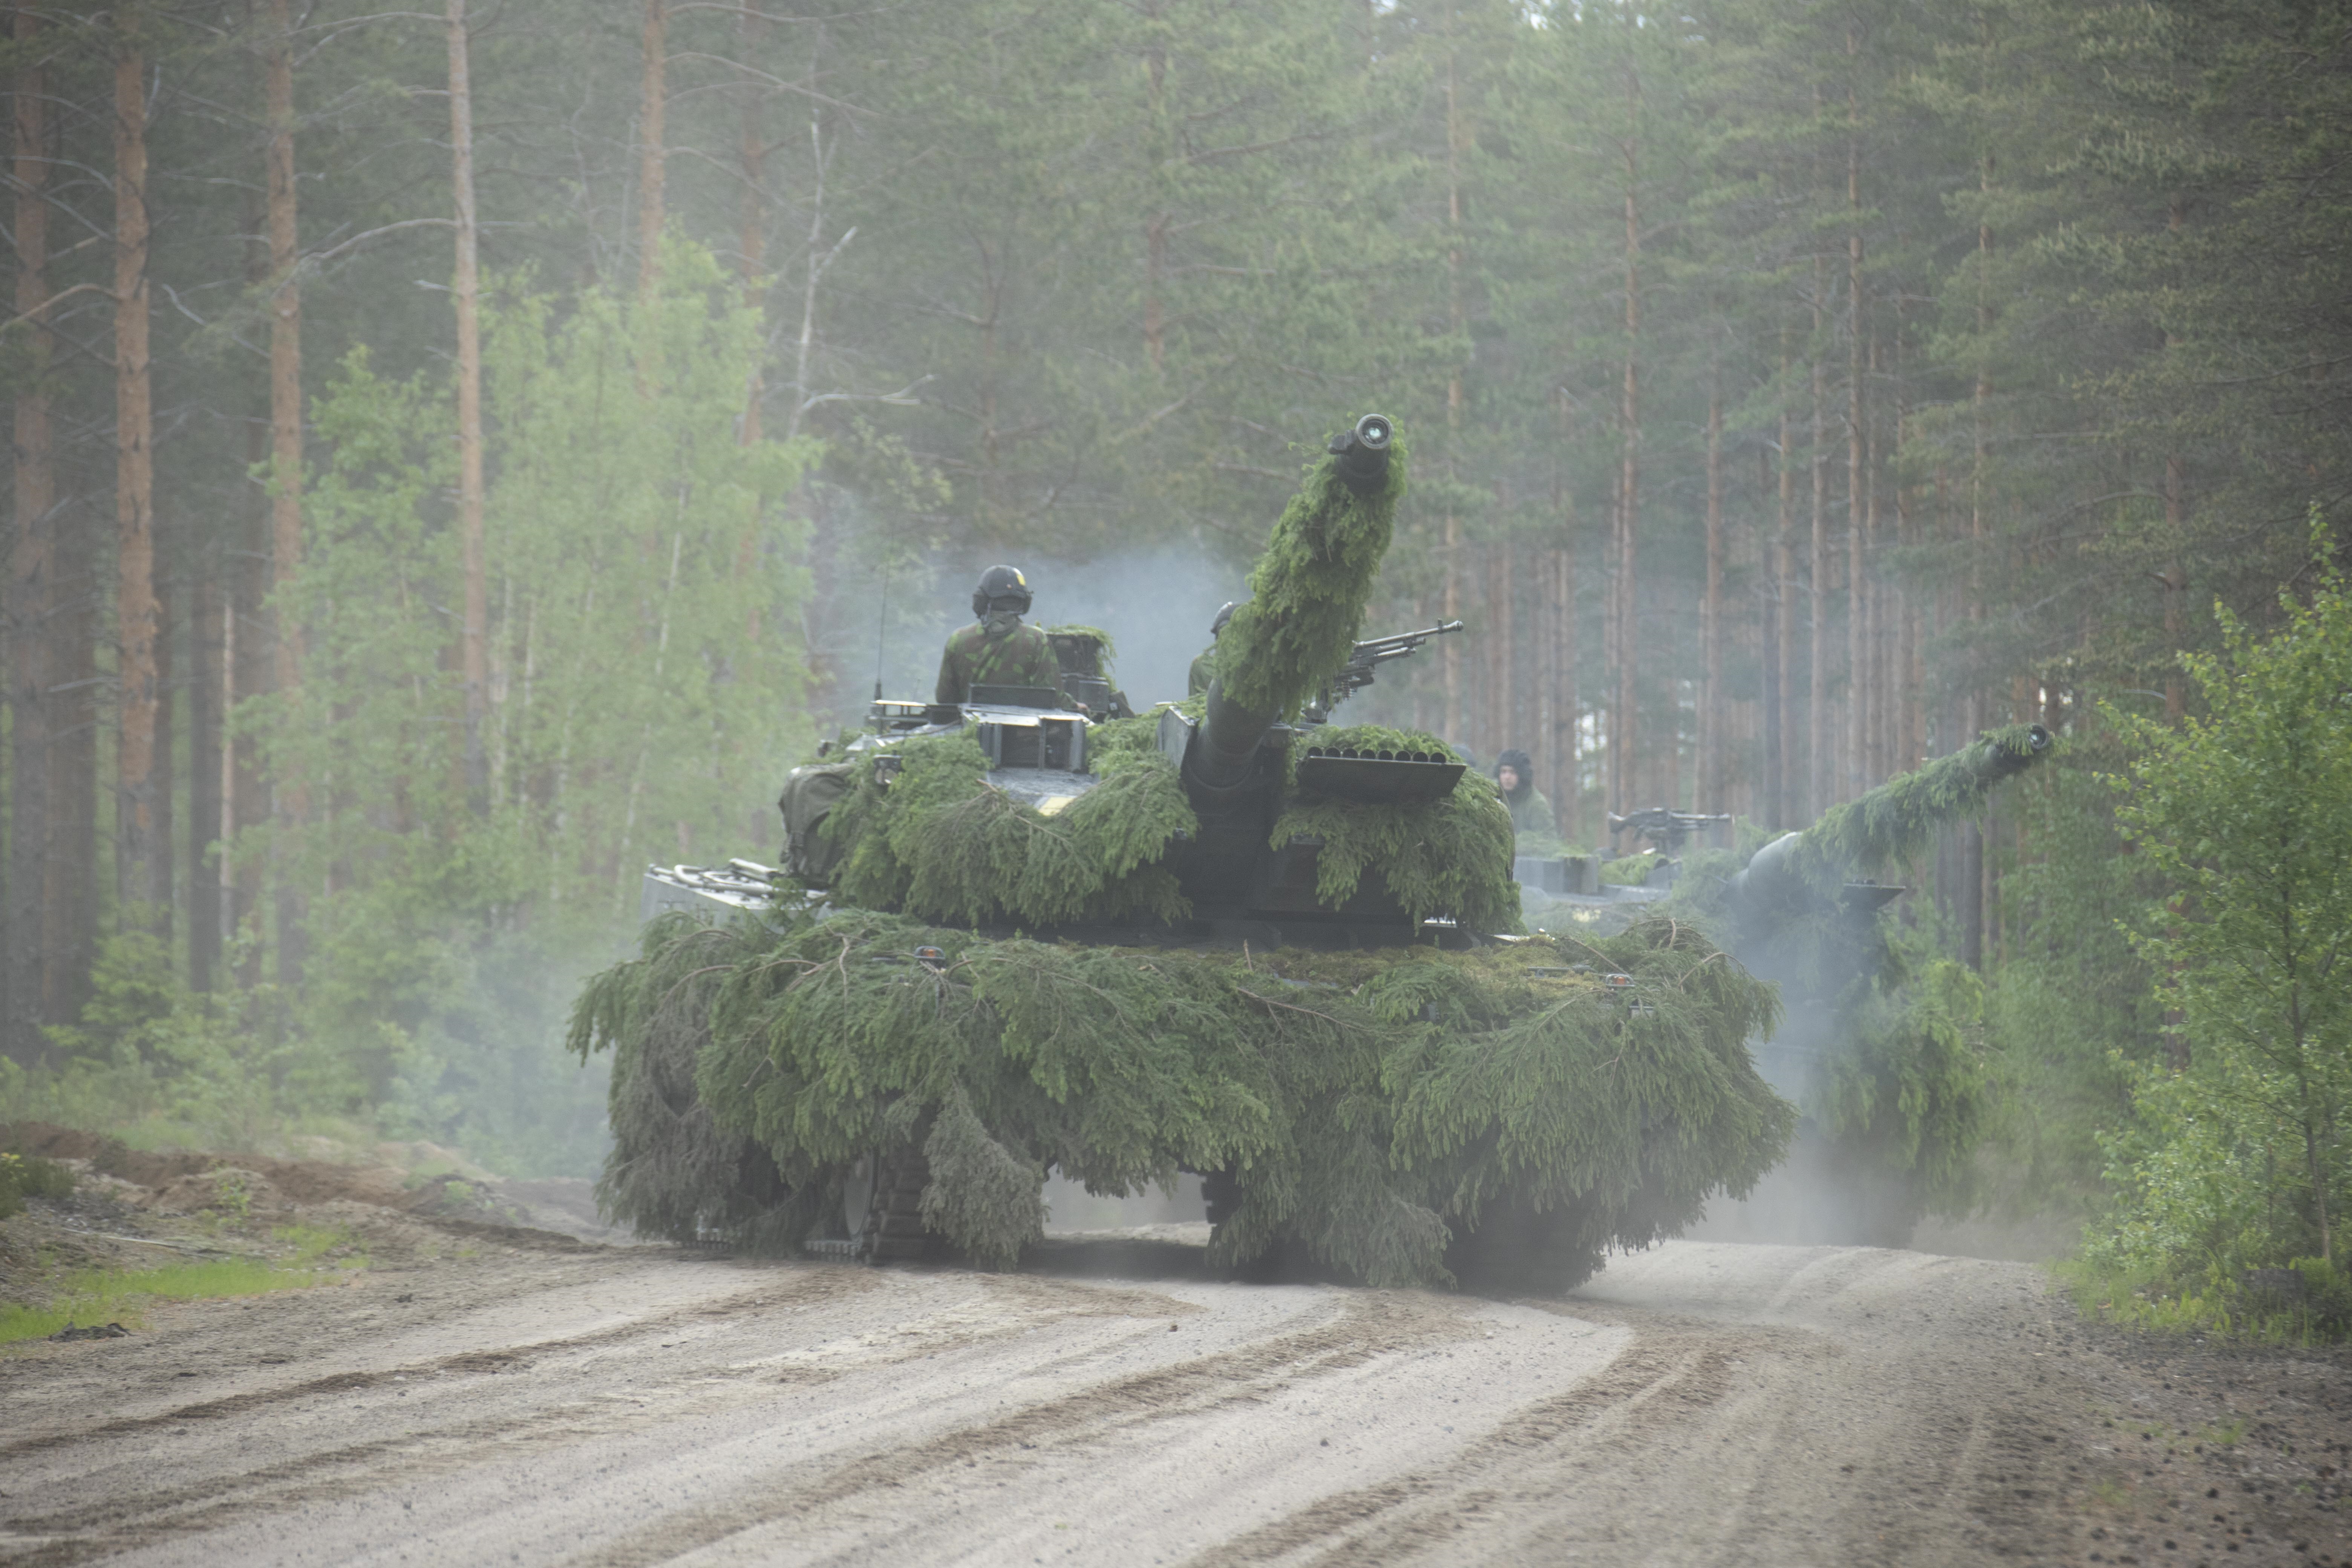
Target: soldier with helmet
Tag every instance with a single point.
(1204, 667)
(997, 649)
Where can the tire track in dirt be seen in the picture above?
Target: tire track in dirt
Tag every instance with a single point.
(360, 1467)
(1367, 1326)
(1700, 1405)
(843, 1282)
(1664, 1376)
(1822, 1433)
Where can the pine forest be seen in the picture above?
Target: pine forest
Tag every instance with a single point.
(460, 457)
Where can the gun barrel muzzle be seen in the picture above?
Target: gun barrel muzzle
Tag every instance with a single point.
(1363, 452)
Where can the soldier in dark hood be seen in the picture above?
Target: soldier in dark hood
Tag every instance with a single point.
(1515, 776)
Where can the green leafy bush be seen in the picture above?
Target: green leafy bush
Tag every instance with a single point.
(28, 1176)
(2238, 1159)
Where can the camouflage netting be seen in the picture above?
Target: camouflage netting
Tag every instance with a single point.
(1370, 1105)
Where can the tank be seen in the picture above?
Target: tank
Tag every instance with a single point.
(1228, 936)
(1879, 1045)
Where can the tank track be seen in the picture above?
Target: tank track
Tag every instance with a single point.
(893, 1229)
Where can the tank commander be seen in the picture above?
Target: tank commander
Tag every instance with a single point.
(1530, 811)
(1204, 668)
(997, 649)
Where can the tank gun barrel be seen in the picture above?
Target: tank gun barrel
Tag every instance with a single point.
(1890, 823)
(1307, 597)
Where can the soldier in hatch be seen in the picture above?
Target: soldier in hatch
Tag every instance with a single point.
(1531, 816)
(1204, 668)
(997, 649)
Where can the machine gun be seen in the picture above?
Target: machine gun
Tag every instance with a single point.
(1665, 827)
(1367, 657)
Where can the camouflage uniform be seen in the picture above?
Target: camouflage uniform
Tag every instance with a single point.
(998, 651)
(1530, 811)
(1203, 670)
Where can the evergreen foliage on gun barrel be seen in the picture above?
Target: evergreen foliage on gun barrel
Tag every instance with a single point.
(1308, 591)
(1372, 1101)
(1892, 822)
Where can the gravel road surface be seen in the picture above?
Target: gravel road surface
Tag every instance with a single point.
(1702, 1403)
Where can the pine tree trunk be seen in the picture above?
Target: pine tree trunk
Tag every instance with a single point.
(1859, 695)
(70, 920)
(652, 153)
(1976, 901)
(1563, 767)
(143, 879)
(249, 662)
(31, 574)
(289, 790)
(1771, 553)
(1821, 760)
(207, 777)
(2176, 518)
(2176, 589)
(752, 244)
(285, 348)
(1452, 656)
(1624, 723)
(1160, 150)
(1909, 720)
(1875, 743)
(474, 632)
(1711, 613)
(1789, 792)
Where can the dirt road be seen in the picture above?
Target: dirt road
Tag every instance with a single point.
(1698, 1403)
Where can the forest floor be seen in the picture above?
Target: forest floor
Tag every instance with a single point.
(481, 1391)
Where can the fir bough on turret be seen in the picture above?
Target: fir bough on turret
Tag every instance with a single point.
(940, 842)
(1308, 590)
(1449, 857)
(1370, 1100)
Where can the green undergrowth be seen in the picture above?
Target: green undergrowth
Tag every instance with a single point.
(2315, 1307)
(29, 1176)
(1308, 591)
(1370, 1105)
(91, 1297)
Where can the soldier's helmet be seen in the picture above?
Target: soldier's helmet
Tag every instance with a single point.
(1224, 614)
(1001, 583)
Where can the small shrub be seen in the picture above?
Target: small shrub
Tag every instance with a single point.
(24, 1177)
